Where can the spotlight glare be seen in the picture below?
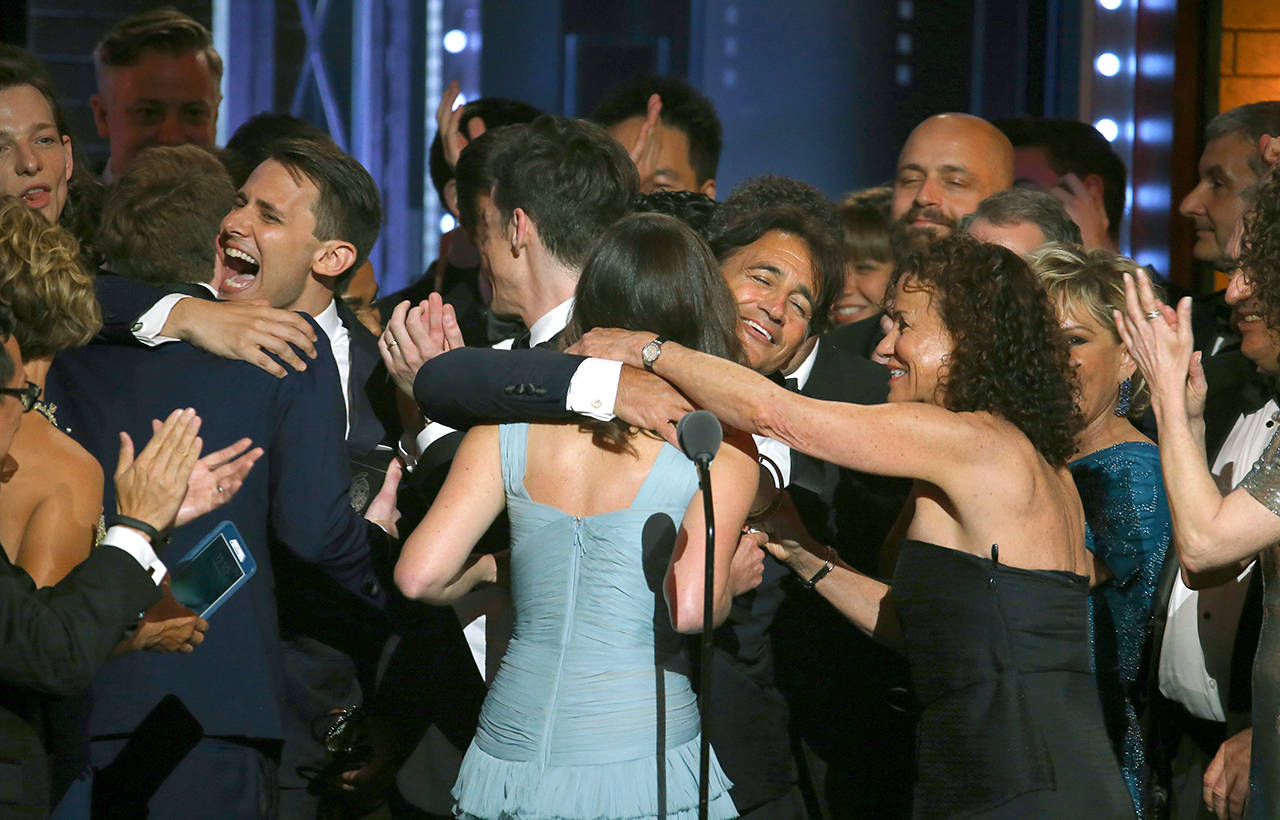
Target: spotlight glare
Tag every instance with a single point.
(1110, 5)
(1108, 128)
(455, 41)
(447, 223)
(1108, 64)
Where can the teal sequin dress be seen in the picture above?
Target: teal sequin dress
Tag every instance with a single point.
(591, 714)
(1127, 527)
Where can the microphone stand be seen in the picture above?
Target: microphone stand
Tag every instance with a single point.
(704, 672)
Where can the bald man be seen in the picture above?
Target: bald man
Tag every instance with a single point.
(949, 164)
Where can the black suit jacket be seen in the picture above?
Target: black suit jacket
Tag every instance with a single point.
(748, 714)
(295, 496)
(55, 640)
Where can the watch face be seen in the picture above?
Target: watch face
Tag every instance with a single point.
(649, 353)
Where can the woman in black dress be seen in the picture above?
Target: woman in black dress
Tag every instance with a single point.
(990, 597)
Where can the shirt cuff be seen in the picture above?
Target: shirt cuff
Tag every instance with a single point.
(132, 542)
(147, 329)
(593, 390)
(432, 433)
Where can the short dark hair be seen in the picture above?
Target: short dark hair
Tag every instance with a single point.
(1010, 356)
(652, 272)
(865, 221)
(7, 364)
(1018, 206)
(1074, 147)
(690, 207)
(84, 192)
(251, 143)
(683, 107)
(776, 203)
(347, 207)
(569, 176)
(165, 30)
(162, 216)
(1248, 122)
(494, 112)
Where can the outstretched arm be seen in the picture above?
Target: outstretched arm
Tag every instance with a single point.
(1210, 530)
(909, 440)
(436, 565)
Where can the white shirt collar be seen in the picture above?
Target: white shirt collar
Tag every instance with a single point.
(208, 287)
(801, 373)
(329, 320)
(549, 324)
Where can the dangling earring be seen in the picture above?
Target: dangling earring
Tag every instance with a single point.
(1126, 395)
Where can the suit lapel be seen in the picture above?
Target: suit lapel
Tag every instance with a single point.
(366, 431)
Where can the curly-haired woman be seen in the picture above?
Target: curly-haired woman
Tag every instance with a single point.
(990, 597)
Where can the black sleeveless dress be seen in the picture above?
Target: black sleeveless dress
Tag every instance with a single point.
(1011, 723)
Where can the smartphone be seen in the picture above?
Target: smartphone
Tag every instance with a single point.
(208, 575)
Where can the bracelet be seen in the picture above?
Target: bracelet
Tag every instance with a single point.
(158, 541)
(827, 566)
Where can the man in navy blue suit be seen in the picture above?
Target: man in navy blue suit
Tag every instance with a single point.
(297, 498)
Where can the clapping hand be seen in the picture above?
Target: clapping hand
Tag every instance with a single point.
(648, 145)
(215, 478)
(1159, 340)
(1086, 208)
(415, 336)
(151, 486)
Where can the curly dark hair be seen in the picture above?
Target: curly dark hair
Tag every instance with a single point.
(1010, 356)
(1260, 248)
(690, 207)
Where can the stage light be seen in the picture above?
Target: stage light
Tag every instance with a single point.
(1110, 5)
(1107, 127)
(1108, 64)
(455, 41)
(461, 101)
(447, 223)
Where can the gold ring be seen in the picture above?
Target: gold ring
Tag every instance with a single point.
(392, 343)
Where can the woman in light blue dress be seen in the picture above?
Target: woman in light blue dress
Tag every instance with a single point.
(1117, 472)
(591, 714)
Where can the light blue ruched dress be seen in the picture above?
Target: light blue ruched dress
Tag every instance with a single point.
(591, 714)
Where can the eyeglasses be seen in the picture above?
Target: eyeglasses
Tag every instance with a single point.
(28, 395)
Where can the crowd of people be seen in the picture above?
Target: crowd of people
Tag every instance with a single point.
(993, 512)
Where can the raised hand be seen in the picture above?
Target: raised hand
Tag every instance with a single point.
(247, 331)
(415, 336)
(648, 145)
(151, 487)
(1086, 209)
(215, 478)
(1159, 340)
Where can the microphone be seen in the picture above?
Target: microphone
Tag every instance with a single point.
(699, 434)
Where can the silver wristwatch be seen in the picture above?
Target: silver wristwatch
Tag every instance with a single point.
(650, 352)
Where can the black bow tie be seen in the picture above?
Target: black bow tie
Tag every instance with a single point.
(783, 381)
(521, 342)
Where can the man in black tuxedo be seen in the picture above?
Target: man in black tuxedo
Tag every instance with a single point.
(777, 241)
(298, 502)
(57, 637)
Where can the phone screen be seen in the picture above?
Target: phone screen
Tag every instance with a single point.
(198, 584)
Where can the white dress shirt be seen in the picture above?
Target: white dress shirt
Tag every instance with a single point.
(340, 343)
(1200, 634)
(774, 450)
(138, 547)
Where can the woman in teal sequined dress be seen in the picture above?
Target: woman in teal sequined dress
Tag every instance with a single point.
(1117, 472)
(591, 714)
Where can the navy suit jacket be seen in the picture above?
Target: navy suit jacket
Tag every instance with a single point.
(296, 495)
